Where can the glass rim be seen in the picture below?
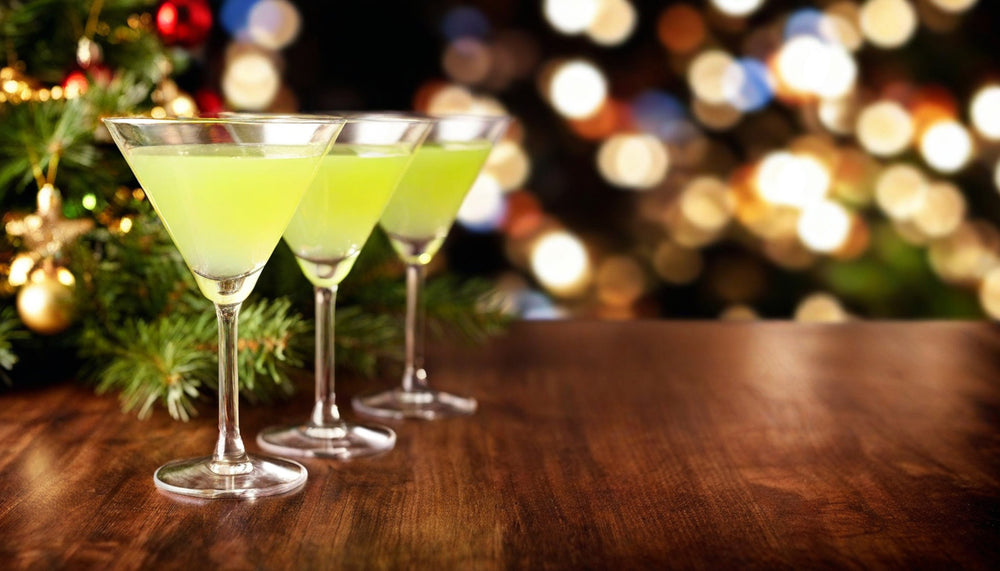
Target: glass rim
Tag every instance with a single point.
(140, 120)
(346, 116)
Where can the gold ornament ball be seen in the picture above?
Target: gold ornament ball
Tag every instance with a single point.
(45, 304)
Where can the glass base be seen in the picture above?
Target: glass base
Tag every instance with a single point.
(262, 476)
(425, 404)
(341, 443)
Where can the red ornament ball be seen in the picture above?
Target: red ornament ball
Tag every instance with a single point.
(184, 22)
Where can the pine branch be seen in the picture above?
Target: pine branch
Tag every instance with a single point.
(10, 331)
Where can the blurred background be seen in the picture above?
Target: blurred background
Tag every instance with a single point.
(732, 159)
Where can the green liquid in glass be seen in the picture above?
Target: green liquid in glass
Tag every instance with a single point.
(428, 197)
(225, 205)
(341, 207)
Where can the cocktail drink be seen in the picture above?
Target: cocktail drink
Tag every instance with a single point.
(332, 223)
(225, 190)
(417, 221)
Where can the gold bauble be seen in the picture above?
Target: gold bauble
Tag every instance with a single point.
(46, 304)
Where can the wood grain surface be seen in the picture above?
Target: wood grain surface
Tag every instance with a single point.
(597, 445)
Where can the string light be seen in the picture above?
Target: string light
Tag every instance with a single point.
(707, 203)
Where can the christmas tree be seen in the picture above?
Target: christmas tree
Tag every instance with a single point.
(97, 283)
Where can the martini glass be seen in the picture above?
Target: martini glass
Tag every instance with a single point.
(332, 223)
(417, 221)
(225, 189)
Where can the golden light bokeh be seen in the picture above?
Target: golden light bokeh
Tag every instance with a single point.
(560, 262)
(821, 308)
(578, 89)
(707, 203)
(509, 164)
(739, 312)
(901, 190)
(789, 179)
(614, 22)
(620, 281)
(942, 212)
(841, 23)
(985, 111)
(884, 128)
(570, 16)
(676, 264)
(946, 146)
(634, 160)
(954, 6)
(467, 60)
(737, 7)
(989, 293)
(824, 226)
(707, 75)
(888, 23)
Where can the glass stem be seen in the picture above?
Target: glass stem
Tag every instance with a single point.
(325, 413)
(230, 456)
(414, 375)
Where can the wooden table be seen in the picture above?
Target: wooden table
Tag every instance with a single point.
(598, 445)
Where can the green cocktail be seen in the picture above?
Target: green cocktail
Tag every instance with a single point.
(421, 212)
(341, 207)
(225, 188)
(417, 221)
(225, 205)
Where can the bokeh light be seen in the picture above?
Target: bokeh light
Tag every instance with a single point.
(638, 161)
(707, 203)
(614, 22)
(578, 89)
(483, 207)
(985, 111)
(824, 226)
(901, 191)
(620, 281)
(681, 28)
(942, 211)
(508, 164)
(946, 146)
(676, 264)
(888, 23)
(748, 85)
(250, 81)
(708, 75)
(788, 179)
(465, 22)
(809, 65)
(273, 24)
(821, 308)
(954, 6)
(737, 7)
(570, 16)
(560, 262)
(467, 60)
(989, 293)
(884, 128)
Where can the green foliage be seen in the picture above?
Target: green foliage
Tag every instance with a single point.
(10, 331)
